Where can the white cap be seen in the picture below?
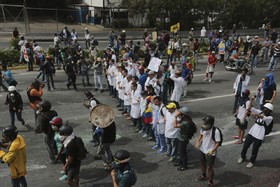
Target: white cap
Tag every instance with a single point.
(247, 37)
(213, 52)
(269, 106)
(123, 30)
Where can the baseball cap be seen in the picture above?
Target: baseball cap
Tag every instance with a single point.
(171, 105)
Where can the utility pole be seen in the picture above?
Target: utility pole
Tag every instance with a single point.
(27, 28)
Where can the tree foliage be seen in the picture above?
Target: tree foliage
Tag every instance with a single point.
(195, 13)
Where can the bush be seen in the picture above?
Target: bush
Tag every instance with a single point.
(10, 56)
(14, 43)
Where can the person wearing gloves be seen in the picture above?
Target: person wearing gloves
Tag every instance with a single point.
(208, 148)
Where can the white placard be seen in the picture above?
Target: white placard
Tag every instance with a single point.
(154, 64)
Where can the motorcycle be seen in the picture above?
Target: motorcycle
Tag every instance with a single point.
(238, 65)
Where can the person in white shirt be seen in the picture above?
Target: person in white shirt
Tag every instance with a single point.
(244, 106)
(257, 133)
(111, 75)
(56, 40)
(202, 34)
(151, 79)
(127, 95)
(239, 86)
(208, 148)
(159, 111)
(178, 86)
(171, 132)
(22, 47)
(135, 105)
(87, 38)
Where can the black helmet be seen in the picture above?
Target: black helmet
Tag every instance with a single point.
(88, 94)
(45, 105)
(10, 132)
(121, 156)
(65, 130)
(208, 122)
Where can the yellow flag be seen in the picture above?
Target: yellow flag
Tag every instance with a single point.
(175, 27)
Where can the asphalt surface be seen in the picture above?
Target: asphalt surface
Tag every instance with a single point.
(153, 170)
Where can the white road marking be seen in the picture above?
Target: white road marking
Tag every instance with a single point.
(232, 142)
(5, 172)
(207, 98)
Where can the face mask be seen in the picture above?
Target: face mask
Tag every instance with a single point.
(61, 137)
(179, 119)
(55, 128)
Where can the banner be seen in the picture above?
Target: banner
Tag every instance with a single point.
(175, 27)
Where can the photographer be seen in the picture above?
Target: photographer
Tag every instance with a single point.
(239, 86)
(97, 73)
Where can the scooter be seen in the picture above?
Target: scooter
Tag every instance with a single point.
(238, 65)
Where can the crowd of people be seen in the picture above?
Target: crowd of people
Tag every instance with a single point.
(149, 99)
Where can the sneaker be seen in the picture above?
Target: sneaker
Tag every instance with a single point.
(145, 136)
(161, 151)
(240, 160)
(210, 183)
(210, 80)
(23, 123)
(150, 138)
(155, 147)
(177, 164)
(63, 178)
(206, 79)
(172, 159)
(62, 172)
(201, 178)
(141, 131)
(250, 165)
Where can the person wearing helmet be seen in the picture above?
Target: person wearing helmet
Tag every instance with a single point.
(239, 86)
(243, 111)
(45, 115)
(208, 148)
(123, 174)
(15, 156)
(257, 133)
(72, 164)
(184, 122)
(247, 45)
(15, 103)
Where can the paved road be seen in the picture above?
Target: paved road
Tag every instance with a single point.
(213, 98)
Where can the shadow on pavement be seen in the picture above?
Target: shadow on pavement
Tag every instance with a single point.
(268, 163)
(219, 80)
(122, 141)
(198, 93)
(140, 165)
(92, 175)
(231, 176)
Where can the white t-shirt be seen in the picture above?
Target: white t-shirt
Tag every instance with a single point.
(258, 131)
(170, 131)
(207, 141)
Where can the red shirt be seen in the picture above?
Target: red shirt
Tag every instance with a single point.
(212, 59)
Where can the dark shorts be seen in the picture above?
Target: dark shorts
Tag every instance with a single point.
(207, 160)
(241, 126)
(73, 172)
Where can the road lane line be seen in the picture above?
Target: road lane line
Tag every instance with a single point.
(232, 142)
(207, 98)
(5, 172)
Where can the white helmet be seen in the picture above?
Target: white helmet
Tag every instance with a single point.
(269, 106)
(12, 88)
(248, 37)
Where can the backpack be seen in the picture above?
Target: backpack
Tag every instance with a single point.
(213, 135)
(82, 151)
(268, 128)
(131, 171)
(190, 128)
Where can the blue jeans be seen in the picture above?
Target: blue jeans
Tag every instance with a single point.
(273, 63)
(254, 60)
(264, 54)
(172, 146)
(12, 116)
(162, 141)
(19, 182)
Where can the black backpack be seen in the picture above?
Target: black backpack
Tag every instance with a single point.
(268, 128)
(131, 171)
(82, 151)
(213, 135)
(191, 128)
